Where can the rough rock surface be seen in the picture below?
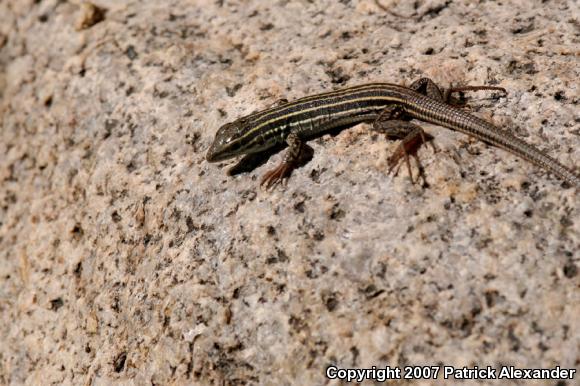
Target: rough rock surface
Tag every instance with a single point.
(125, 258)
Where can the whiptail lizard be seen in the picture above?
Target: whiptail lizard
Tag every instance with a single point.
(388, 107)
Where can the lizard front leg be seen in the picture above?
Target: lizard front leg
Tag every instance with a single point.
(297, 151)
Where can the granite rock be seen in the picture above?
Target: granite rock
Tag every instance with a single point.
(125, 258)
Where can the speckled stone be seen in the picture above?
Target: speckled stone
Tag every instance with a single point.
(125, 258)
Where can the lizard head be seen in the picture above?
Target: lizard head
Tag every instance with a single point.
(227, 142)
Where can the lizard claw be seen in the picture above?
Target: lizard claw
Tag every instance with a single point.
(280, 174)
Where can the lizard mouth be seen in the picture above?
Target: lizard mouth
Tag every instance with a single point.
(217, 153)
(213, 156)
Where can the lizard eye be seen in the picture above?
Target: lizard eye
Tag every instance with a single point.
(228, 132)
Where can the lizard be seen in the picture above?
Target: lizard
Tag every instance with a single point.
(388, 107)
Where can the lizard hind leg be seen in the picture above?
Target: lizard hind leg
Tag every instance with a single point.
(429, 88)
(412, 137)
(460, 101)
